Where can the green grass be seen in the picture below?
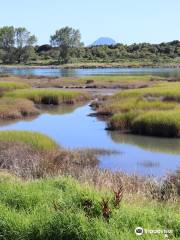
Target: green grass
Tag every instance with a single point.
(49, 96)
(126, 78)
(158, 123)
(169, 91)
(35, 140)
(8, 86)
(152, 123)
(54, 209)
(135, 104)
(115, 82)
(121, 121)
(152, 111)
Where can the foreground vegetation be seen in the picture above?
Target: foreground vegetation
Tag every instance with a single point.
(60, 207)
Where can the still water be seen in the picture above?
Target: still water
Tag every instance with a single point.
(166, 72)
(73, 128)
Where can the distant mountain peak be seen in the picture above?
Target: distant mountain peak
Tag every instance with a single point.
(104, 41)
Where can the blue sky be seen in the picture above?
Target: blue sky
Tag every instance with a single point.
(126, 21)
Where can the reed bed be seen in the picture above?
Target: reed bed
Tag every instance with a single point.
(36, 140)
(49, 96)
(152, 123)
(158, 123)
(115, 82)
(148, 111)
(111, 107)
(163, 91)
(11, 108)
(9, 85)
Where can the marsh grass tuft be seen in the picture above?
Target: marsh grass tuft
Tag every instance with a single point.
(49, 96)
(121, 121)
(158, 123)
(9, 85)
(36, 140)
(148, 111)
(16, 108)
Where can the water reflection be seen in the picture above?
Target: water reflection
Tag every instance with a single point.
(49, 109)
(62, 109)
(154, 144)
(73, 128)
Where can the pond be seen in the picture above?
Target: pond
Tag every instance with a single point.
(72, 128)
(57, 72)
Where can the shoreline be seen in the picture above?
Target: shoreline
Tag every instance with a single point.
(90, 66)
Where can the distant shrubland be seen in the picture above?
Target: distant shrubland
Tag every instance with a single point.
(17, 45)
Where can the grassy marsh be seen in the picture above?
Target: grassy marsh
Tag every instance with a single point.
(36, 140)
(11, 108)
(18, 97)
(64, 208)
(10, 85)
(113, 82)
(164, 91)
(152, 111)
(158, 123)
(49, 96)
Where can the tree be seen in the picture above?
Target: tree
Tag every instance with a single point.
(7, 37)
(65, 39)
(16, 44)
(2, 54)
(24, 42)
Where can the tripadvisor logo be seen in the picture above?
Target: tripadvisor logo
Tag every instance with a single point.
(139, 231)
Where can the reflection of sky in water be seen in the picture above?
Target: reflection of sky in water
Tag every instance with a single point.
(76, 130)
(169, 72)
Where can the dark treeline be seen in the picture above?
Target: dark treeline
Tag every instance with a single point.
(18, 45)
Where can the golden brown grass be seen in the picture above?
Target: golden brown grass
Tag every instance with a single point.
(16, 108)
